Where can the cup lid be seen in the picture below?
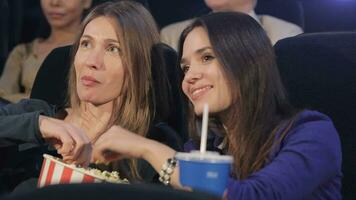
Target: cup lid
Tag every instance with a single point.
(209, 156)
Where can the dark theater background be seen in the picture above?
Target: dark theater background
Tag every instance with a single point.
(318, 67)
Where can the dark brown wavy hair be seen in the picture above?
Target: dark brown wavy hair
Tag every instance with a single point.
(259, 102)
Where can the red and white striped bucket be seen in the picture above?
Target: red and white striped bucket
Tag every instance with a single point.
(54, 171)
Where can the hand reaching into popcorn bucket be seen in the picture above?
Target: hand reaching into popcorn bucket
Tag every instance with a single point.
(70, 140)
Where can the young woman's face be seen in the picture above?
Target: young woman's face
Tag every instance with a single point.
(204, 81)
(98, 63)
(64, 13)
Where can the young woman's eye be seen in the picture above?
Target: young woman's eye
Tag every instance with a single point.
(113, 49)
(185, 68)
(207, 58)
(85, 44)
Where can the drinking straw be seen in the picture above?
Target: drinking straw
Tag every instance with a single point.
(204, 130)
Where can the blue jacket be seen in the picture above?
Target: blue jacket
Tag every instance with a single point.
(306, 165)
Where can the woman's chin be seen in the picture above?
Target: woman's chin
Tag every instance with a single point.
(95, 101)
(88, 99)
(198, 110)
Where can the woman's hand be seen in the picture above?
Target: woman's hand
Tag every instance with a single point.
(69, 140)
(118, 143)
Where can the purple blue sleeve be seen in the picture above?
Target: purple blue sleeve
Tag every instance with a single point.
(307, 166)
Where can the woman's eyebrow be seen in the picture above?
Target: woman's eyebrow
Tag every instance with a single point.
(201, 50)
(86, 36)
(109, 40)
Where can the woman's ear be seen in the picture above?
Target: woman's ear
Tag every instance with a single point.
(87, 4)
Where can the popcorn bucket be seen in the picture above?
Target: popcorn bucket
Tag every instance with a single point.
(55, 171)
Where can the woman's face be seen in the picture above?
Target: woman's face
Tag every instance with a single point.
(204, 81)
(64, 13)
(98, 63)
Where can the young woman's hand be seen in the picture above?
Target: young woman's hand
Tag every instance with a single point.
(69, 140)
(118, 143)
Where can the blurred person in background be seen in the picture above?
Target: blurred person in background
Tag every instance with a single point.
(275, 28)
(24, 61)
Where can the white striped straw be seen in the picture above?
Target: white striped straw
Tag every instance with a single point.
(204, 130)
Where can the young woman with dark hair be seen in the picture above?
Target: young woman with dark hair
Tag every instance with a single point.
(279, 152)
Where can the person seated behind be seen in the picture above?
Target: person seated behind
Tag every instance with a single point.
(110, 84)
(275, 28)
(279, 152)
(24, 60)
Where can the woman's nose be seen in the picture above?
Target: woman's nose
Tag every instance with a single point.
(193, 75)
(95, 59)
(54, 2)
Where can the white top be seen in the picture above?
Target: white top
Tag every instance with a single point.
(275, 28)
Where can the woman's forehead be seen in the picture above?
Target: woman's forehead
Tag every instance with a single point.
(195, 40)
(103, 27)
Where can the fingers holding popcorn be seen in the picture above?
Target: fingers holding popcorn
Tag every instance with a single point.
(69, 140)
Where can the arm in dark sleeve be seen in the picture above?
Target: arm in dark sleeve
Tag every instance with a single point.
(310, 157)
(19, 122)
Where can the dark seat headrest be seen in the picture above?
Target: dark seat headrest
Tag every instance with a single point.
(319, 72)
(110, 192)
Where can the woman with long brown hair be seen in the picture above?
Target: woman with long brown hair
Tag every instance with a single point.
(279, 152)
(110, 83)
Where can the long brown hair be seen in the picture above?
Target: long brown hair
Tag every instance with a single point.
(137, 33)
(259, 103)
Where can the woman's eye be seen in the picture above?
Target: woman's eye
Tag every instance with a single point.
(185, 68)
(207, 58)
(85, 44)
(113, 49)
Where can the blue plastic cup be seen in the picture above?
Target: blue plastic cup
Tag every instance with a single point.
(208, 172)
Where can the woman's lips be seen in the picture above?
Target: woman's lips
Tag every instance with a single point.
(199, 92)
(55, 15)
(89, 81)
